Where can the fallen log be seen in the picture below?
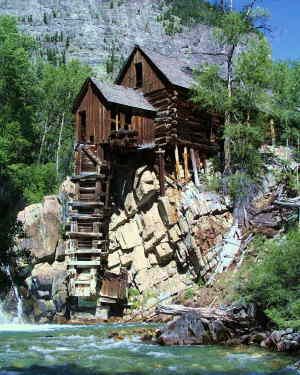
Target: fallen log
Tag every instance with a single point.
(204, 312)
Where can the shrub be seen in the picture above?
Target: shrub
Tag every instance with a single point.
(34, 181)
(273, 281)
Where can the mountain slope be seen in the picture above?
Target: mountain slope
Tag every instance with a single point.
(101, 33)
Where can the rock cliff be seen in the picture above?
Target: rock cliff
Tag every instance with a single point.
(167, 244)
(101, 32)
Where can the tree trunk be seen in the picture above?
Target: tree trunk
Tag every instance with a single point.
(227, 154)
(43, 141)
(59, 142)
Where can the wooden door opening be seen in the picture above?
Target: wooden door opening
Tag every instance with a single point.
(82, 126)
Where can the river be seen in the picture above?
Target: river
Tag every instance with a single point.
(88, 350)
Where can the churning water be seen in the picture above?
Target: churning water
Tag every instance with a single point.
(88, 350)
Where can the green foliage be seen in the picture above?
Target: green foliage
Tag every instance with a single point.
(210, 89)
(178, 13)
(36, 124)
(245, 130)
(189, 293)
(34, 181)
(286, 100)
(245, 140)
(232, 28)
(273, 280)
(58, 87)
(212, 182)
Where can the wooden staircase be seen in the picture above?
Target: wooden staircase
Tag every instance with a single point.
(89, 213)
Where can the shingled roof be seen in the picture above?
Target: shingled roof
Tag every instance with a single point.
(116, 94)
(176, 70)
(123, 95)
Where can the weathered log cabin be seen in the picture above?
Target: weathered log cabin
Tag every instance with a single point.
(147, 111)
(179, 124)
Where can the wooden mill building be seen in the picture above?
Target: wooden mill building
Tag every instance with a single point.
(147, 112)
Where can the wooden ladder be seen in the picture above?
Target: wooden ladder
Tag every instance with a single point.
(89, 212)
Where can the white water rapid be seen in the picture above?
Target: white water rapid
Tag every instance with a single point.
(5, 318)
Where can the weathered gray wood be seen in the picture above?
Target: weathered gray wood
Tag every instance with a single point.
(84, 263)
(88, 235)
(193, 159)
(87, 204)
(205, 312)
(87, 177)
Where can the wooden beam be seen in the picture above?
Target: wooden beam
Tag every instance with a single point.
(195, 171)
(82, 204)
(84, 235)
(177, 164)
(161, 163)
(186, 164)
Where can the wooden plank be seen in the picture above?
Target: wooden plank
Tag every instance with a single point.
(83, 204)
(87, 251)
(196, 177)
(86, 217)
(87, 235)
(84, 263)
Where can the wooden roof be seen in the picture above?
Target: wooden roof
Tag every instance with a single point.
(176, 70)
(116, 94)
(171, 69)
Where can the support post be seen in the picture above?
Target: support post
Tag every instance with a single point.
(196, 177)
(186, 164)
(161, 163)
(177, 164)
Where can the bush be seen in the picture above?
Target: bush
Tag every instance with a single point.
(273, 281)
(188, 13)
(34, 181)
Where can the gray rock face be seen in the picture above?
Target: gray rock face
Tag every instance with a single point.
(186, 330)
(41, 225)
(287, 340)
(91, 30)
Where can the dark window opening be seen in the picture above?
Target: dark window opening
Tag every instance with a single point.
(139, 74)
(82, 134)
(92, 139)
(128, 118)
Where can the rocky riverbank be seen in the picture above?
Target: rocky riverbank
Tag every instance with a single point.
(237, 324)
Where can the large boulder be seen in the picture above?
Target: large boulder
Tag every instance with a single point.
(43, 311)
(128, 235)
(40, 283)
(59, 290)
(186, 330)
(146, 185)
(41, 225)
(164, 253)
(153, 224)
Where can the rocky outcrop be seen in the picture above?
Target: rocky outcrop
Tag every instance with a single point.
(101, 31)
(41, 226)
(209, 325)
(232, 325)
(286, 340)
(41, 263)
(166, 242)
